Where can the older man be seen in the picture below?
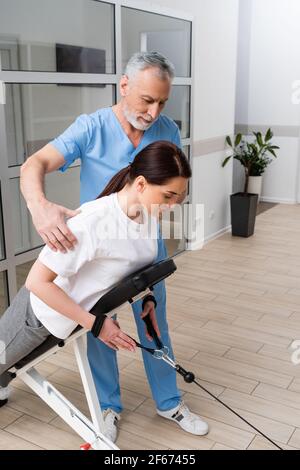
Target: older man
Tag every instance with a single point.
(107, 141)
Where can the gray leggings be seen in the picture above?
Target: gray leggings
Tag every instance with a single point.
(20, 333)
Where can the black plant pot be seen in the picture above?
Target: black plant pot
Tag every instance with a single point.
(243, 214)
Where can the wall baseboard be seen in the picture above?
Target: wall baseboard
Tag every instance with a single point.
(276, 200)
(198, 245)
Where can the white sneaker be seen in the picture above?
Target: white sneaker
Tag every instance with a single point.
(186, 419)
(4, 394)
(111, 419)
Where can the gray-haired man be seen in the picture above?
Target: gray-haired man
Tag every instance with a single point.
(107, 141)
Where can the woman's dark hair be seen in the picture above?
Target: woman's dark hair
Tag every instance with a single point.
(158, 163)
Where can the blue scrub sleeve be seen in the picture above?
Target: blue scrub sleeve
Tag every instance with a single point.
(74, 141)
(176, 139)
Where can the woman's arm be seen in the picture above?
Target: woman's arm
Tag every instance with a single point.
(40, 282)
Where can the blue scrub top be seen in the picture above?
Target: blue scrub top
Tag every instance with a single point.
(102, 145)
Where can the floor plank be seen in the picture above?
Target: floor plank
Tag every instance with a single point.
(234, 311)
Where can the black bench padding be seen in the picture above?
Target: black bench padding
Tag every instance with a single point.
(49, 343)
(122, 292)
(133, 285)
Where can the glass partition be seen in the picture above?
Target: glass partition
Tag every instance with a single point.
(178, 108)
(60, 188)
(144, 31)
(58, 36)
(43, 48)
(36, 113)
(3, 293)
(22, 271)
(2, 252)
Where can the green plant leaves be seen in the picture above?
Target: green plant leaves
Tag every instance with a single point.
(252, 155)
(228, 140)
(226, 161)
(272, 152)
(238, 140)
(260, 139)
(268, 135)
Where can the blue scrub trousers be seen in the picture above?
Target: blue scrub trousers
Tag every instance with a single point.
(161, 377)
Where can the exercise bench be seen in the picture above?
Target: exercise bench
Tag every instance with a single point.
(131, 289)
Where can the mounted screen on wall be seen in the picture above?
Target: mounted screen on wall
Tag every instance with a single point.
(76, 59)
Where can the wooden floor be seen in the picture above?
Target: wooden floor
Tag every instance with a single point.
(234, 310)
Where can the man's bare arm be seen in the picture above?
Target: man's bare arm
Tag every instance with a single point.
(48, 218)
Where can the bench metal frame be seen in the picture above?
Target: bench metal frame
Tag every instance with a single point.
(91, 430)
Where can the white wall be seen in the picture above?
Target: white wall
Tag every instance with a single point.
(215, 53)
(267, 67)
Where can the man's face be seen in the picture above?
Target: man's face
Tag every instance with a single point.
(143, 97)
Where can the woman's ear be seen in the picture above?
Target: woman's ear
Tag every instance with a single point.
(141, 184)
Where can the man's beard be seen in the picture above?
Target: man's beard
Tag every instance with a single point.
(132, 119)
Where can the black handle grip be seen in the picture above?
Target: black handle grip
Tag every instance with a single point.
(152, 332)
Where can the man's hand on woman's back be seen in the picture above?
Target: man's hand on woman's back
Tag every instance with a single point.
(49, 220)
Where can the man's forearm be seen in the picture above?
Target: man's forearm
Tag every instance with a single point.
(49, 219)
(32, 182)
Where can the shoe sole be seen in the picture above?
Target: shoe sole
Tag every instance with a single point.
(188, 432)
(3, 402)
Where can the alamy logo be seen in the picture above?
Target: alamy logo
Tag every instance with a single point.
(175, 223)
(296, 354)
(296, 92)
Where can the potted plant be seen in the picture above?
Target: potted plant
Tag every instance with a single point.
(254, 157)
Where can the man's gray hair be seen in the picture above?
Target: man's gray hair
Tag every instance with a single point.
(144, 60)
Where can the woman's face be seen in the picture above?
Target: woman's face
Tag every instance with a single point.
(156, 198)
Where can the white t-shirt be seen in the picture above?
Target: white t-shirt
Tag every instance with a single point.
(110, 246)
